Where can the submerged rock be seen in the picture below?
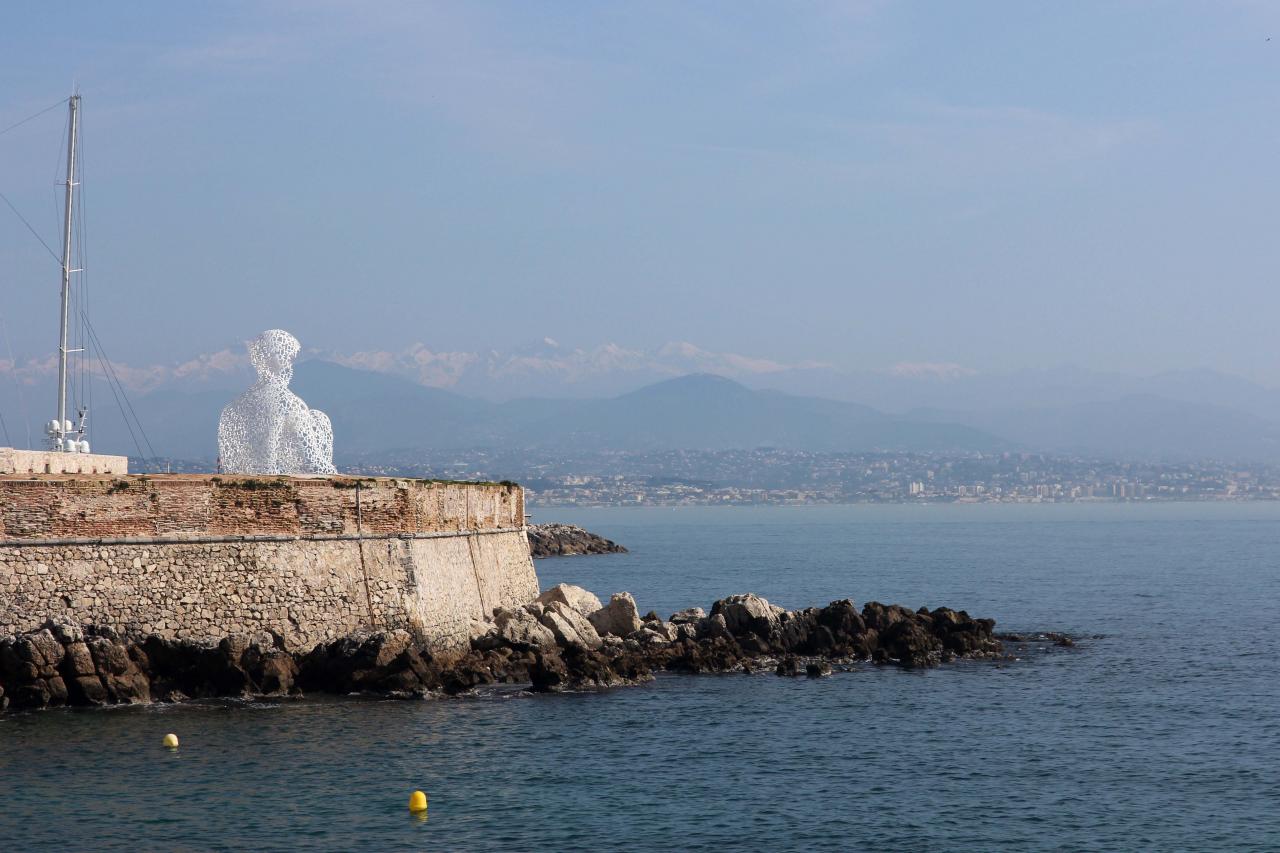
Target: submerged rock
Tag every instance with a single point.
(817, 669)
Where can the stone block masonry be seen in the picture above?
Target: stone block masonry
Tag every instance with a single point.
(310, 559)
(14, 461)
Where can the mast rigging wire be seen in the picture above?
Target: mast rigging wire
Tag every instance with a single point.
(33, 231)
(106, 362)
(17, 386)
(34, 115)
(86, 332)
(127, 425)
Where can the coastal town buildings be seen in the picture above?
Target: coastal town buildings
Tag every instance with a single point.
(774, 476)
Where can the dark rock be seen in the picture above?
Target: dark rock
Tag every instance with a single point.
(58, 693)
(749, 614)
(669, 632)
(475, 669)
(689, 616)
(795, 631)
(645, 637)
(714, 627)
(686, 631)
(273, 671)
(41, 649)
(715, 654)
(548, 672)
(910, 643)
(384, 661)
(817, 669)
(548, 645)
(882, 617)
(197, 669)
(87, 690)
(567, 540)
(78, 660)
(843, 622)
(590, 669)
(124, 671)
(33, 694)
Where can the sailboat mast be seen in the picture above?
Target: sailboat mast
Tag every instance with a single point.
(73, 127)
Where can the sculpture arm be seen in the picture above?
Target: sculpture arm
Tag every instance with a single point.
(320, 455)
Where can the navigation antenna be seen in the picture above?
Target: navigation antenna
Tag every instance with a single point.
(59, 430)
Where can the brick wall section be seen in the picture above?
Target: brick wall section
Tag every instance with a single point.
(419, 555)
(50, 506)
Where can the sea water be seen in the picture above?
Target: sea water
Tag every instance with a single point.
(1159, 730)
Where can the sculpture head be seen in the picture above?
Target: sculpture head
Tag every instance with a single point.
(269, 429)
(272, 354)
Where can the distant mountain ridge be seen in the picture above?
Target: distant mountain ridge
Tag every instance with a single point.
(709, 412)
(1137, 426)
(699, 411)
(1061, 411)
(546, 368)
(374, 412)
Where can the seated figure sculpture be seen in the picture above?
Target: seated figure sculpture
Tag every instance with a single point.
(269, 429)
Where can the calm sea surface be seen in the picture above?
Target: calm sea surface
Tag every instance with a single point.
(1163, 733)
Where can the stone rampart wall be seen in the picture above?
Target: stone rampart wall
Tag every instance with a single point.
(178, 506)
(14, 461)
(309, 559)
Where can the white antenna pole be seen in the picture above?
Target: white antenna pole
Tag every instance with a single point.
(60, 433)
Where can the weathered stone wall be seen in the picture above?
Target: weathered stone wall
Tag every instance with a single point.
(184, 505)
(310, 559)
(13, 461)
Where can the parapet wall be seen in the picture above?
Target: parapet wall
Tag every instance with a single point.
(310, 559)
(14, 461)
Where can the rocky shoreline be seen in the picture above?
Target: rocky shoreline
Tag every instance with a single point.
(568, 540)
(565, 640)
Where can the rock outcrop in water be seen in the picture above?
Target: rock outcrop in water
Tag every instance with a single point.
(568, 540)
(565, 640)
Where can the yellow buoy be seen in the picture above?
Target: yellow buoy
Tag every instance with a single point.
(417, 802)
(171, 740)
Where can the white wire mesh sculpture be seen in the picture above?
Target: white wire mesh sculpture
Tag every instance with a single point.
(269, 429)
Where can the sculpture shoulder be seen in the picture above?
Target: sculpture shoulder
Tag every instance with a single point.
(231, 414)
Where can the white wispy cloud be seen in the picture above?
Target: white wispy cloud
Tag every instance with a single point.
(568, 365)
(1005, 136)
(930, 370)
(134, 377)
(254, 52)
(545, 360)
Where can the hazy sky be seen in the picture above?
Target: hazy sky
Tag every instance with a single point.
(992, 184)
